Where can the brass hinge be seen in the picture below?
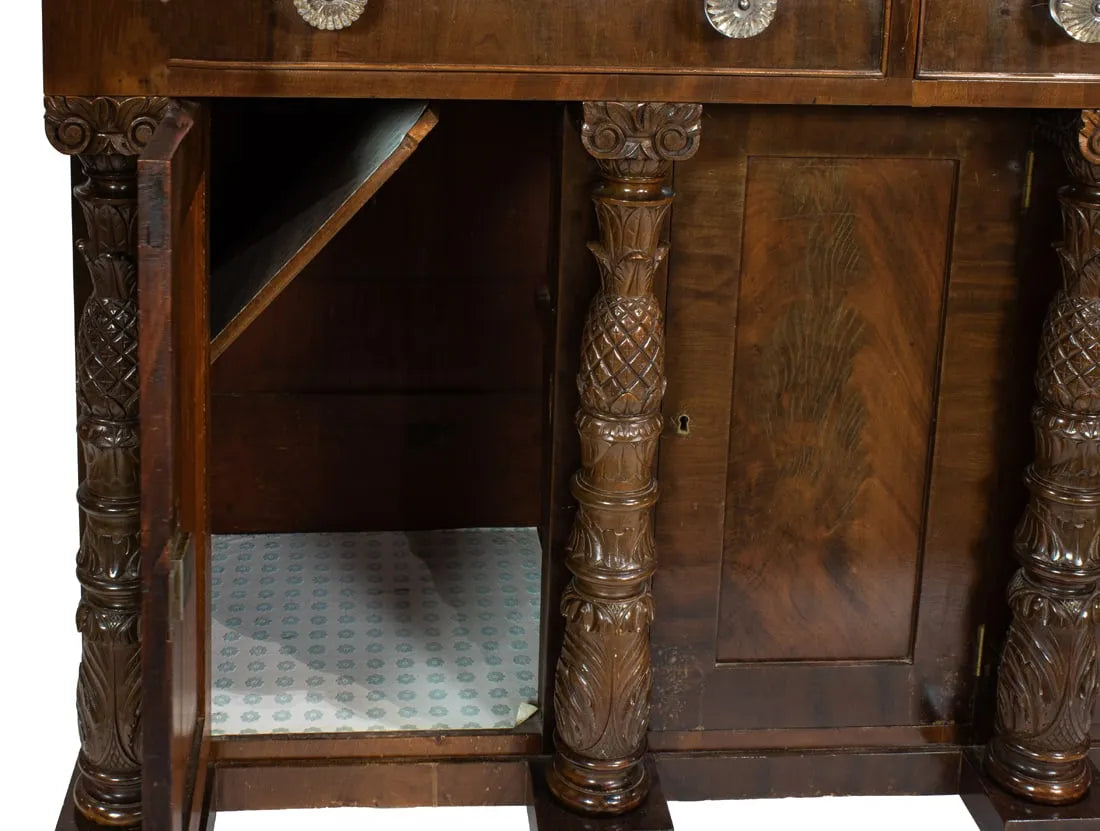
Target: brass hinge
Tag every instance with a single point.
(1029, 175)
(981, 649)
(179, 577)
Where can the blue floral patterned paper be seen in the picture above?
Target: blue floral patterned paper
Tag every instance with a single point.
(322, 633)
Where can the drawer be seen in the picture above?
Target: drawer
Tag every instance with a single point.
(583, 35)
(972, 37)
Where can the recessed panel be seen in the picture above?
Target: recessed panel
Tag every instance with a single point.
(837, 344)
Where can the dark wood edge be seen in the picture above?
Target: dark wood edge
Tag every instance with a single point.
(996, 810)
(525, 740)
(545, 813)
(229, 79)
(288, 784)
(684, 777)
(70, 820)
(916, 736)
(279, 784)
(521, 69)
(690, 777)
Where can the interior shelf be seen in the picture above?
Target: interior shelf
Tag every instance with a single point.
(376, 631)
(303, 196)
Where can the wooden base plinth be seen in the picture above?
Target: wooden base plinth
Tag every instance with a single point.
(71, 819)
(547, 814)
(994, 809)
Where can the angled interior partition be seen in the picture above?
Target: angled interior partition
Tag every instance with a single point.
(301, 192)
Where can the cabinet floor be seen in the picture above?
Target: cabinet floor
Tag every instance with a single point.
(352, 632)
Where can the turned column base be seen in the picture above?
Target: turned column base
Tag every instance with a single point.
(1045, 778)
(994, 809)
(599, 788)
(107, 800)
(546, 811)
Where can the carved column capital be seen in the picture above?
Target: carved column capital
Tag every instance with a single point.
(102, 125)
(640, 139)
(1077, 135)
(1088, 136)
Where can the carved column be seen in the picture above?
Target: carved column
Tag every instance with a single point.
(1048, 676)
(601, 698)
(106, 134)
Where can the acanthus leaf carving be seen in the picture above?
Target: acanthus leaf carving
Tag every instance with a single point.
(1048, 681)
(107, 134)
(604, 672)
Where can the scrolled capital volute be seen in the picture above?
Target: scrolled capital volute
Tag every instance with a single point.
(645, 133)
(102, 124)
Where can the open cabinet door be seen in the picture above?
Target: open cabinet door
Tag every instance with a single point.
(174, 365)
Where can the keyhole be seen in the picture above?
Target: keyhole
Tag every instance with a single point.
(683, 425)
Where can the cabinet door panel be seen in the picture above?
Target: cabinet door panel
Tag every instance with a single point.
(174, 337)
(835, 364)
(841, 294)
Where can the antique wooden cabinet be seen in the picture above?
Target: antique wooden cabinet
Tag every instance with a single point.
(584, 404)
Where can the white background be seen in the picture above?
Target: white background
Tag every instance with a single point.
(38, 589)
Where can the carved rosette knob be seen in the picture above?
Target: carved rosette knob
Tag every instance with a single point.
(330, 14)
(741, 18)
(1080, 19)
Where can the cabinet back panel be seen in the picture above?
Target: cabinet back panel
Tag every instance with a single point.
(398, 382)
(835, 365)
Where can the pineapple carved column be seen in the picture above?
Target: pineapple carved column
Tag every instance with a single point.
(1048, 675)
(106, 134)
(602, 693)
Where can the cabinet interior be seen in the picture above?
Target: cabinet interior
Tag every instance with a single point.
(382, 335)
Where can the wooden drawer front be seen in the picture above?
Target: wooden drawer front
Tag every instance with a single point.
(806, 35)
(968, 37)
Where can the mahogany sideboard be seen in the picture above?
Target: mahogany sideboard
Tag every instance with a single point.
(393, 315)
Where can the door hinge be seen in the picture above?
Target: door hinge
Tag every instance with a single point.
(981, 650)
(179, 578)
(1029, 176)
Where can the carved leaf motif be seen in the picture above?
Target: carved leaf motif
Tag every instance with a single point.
(91, 126)
(107, 133)
(603, 706)
(582, 692)
(1089, 135)
(1048, 676)
(604, 677)
(614, 130)
(128, 714)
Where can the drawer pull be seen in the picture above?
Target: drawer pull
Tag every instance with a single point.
(1080, 19)
(740, 18)
(330, 14)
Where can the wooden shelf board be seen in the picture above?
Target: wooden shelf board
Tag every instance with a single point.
(316, 206)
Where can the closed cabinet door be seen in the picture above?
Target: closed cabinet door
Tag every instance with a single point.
(840, 418)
